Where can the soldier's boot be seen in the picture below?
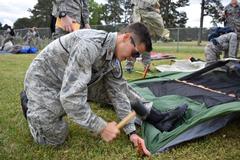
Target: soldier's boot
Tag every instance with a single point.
(24, 100)
(164, 121)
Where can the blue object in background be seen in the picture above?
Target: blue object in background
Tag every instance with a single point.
(28, 49)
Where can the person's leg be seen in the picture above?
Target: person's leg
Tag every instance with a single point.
(154, 23)
(164, 121)
(233, 46)
(44, 110)
(130, 65)
(146, 59)
(238, 41)
(211, 54)
(46, 128)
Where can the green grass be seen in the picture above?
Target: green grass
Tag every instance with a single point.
(16, 141)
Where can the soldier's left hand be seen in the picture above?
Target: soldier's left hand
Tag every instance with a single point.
(139, 143)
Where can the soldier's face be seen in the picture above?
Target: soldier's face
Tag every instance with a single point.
(128, 48)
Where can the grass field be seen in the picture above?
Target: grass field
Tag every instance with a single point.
(16, 142)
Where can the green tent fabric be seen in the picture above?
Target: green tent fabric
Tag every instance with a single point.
(199, 114)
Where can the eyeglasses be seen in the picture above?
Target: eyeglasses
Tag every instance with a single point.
(133, 42)
(135, 52)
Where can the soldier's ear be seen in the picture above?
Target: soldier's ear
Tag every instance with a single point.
(126, 36)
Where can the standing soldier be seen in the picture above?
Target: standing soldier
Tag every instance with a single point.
(148, 13)
(226, 42)
(70, 16)
(231, 18)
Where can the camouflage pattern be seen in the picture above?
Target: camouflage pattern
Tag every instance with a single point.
(227, 42)
(1, 39)
(74, 8)
(144, 11)
(70, 71)
(232, 17)
(54, 9)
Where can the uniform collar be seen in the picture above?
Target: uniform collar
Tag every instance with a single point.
(111, 44)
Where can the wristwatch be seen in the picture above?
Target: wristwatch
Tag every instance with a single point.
(62, 14)
(133, 132)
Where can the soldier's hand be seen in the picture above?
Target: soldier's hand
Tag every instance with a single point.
(139, 143)
(67, 23)
(110, 132)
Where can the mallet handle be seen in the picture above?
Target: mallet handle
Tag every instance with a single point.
(126, 120)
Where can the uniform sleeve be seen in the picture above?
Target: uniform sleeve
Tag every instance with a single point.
(148, 5)
(60, 5)
(85, 11)
(73, 94)
(116, 89)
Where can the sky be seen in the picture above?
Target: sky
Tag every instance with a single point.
(11, 10)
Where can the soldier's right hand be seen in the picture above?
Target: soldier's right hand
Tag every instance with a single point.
(110, 132)
(67, 23)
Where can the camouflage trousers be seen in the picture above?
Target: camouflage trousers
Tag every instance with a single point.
(155, 25)
(146, 60)
(153, 21)
(45, 113)
(213, 52)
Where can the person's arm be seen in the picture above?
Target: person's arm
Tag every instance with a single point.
(148, 5)
(139, 143)
(61, 5)
(66, 21)
(116, 89)
(85, 14)
(225, 14)
(73, 94)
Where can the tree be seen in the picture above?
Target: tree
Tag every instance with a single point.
(41, 13)
(23, 23)
(213, 8)
(96, 12)
(209, 8)
(40, 16)
(171, 16)
(127, 5)
(113, 12)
